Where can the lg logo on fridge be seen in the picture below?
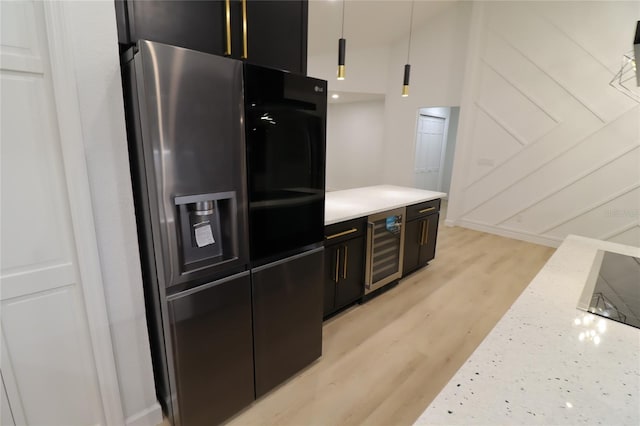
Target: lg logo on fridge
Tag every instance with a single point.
(318, 89)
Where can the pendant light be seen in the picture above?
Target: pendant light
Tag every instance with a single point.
(407, 66)
(342, 47)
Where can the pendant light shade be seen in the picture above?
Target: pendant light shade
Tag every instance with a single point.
(342, 48)
(405, 82)
(407, 66)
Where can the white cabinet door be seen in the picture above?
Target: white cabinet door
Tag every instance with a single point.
(48, 361)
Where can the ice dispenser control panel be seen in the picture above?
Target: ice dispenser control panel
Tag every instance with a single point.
(207, 229)
(201, 223)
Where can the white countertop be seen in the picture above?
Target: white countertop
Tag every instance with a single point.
(354, 203)
(534, 369)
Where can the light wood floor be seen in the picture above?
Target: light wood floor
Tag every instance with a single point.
(384, 362)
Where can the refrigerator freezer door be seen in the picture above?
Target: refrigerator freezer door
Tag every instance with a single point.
(190, 146)
(287, 321)
(211, 338)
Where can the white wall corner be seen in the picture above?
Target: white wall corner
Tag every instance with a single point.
(65, 86)
(508, 233)
(465, 121)
(450, 222)
(151, 416)
(99, 93)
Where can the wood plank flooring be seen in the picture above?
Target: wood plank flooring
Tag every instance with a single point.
(383, 362)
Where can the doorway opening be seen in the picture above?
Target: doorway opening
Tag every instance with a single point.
(436, 133)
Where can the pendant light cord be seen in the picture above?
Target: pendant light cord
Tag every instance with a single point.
(410, 30)
(343, 3)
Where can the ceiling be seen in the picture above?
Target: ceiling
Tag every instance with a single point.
(368, 23)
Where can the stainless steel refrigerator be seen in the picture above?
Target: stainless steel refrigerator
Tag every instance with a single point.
(186, 133)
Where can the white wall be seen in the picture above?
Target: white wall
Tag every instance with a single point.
(100, 96)
(546, 147)
(437, 69)
(354, 144)
(366, 69)
(452, 136)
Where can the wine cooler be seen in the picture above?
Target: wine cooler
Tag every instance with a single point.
(385, 248)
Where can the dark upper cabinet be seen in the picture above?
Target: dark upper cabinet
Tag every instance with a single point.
(277, 34)
(421, 233)
(276, 31)
(344, 264)
(196, 25)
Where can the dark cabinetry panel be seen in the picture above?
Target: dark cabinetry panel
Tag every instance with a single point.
(287, 317)
(412, 238)
(351, 283)
(276, 29)
(192, 24)
(344, 264)
(428, 249)
(421, 233)
(331, 277)
(277, 34)
(214, 374)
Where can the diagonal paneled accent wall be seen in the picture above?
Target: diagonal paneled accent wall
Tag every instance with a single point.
(547, 148)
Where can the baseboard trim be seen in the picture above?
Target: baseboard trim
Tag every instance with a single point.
(509, 233)
(151, 416)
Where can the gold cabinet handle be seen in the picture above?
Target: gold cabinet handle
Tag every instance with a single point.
(245, 49)
(343, 233)
(421, 232)
(335, 276)
(427, 210)
(344, 263)
(227, 7)
(426, 234)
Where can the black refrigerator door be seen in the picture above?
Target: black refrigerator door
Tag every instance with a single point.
(287, 317)
(188, 153)
(285, 127)
(212, 350)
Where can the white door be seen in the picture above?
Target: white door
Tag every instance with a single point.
(49, 368)
(430, 145)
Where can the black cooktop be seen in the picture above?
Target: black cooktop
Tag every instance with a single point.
(616, 293)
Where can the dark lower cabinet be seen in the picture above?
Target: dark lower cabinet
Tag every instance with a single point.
(212, 350)
(287, 317)
(421, 234)
(276, 30)
(344, 265)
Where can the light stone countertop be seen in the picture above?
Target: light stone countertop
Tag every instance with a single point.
(534, 369)
(354, 203)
